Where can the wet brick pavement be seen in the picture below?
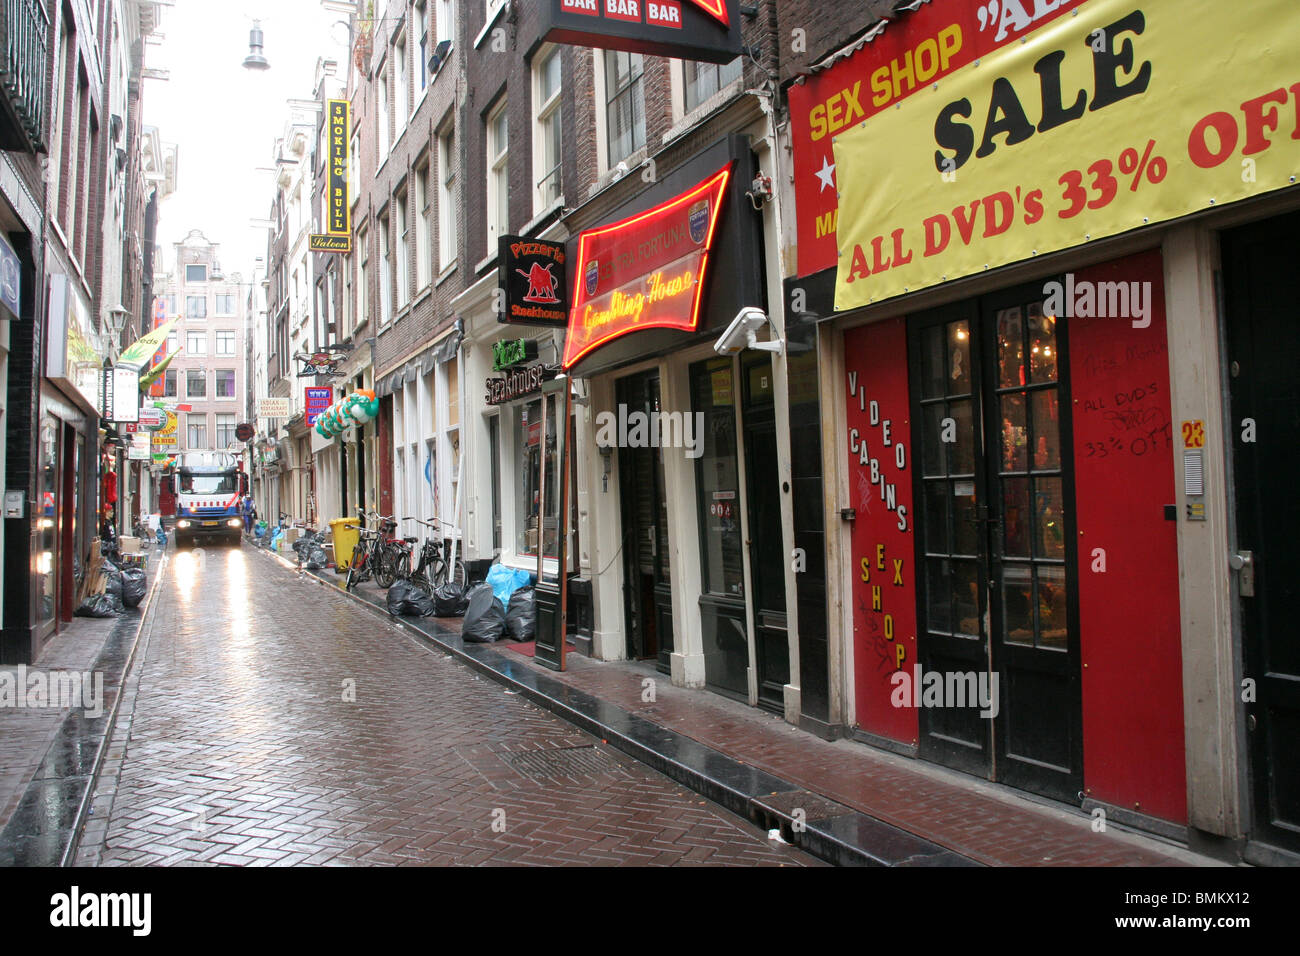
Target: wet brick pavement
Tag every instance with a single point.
(238, 743)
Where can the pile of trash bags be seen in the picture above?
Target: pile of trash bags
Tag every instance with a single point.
(122, 588)
(504, 604)
(310, 549)
(407, 600)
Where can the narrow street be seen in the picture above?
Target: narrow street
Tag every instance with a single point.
(277, 723)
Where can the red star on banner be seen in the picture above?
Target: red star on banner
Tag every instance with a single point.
(717, 8)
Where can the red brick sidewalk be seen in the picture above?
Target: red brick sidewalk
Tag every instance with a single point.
(985, 822)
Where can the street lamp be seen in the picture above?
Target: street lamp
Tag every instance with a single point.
(255, 60)
(117, 317)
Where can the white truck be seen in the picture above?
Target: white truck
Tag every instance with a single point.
(210, 490)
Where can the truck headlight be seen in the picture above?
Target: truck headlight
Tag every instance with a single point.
(235, 523)
(182, 523)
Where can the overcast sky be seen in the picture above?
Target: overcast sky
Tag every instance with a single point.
(224, 118)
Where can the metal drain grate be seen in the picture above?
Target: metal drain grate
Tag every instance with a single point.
(565, 762)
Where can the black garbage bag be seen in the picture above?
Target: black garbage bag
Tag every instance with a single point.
(521, 615)
(134, 583)
(113, 580)
(99, 605)
(449, 600)
(485, 616)
(406, 600)
(303, 547)
(317, 558)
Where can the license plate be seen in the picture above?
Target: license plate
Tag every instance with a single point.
(211, 524)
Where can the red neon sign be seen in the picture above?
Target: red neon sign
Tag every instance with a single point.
(645, 272)
(716, 8)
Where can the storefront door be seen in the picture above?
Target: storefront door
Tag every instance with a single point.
(646, 590)
(766, 553)
(994, 546)
(1262, 291)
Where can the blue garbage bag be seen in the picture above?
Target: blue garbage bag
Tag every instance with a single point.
(505, 581)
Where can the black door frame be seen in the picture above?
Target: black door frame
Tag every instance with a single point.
(655, 608)
(986, 754)
(1240, 250)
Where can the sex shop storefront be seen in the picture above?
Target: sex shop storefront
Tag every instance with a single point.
(678, 448)
(1033, 244)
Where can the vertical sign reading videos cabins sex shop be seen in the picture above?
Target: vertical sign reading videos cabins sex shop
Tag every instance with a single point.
(338, 215)
(879, 449)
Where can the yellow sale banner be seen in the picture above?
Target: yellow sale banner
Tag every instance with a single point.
(166, 436)
(1122, 114)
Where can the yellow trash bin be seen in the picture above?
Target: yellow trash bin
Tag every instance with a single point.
(345, 541)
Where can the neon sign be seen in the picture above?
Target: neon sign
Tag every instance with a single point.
(645, 272)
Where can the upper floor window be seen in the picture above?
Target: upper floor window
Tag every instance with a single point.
(424, 47)
(401, 83)
(403, 220)
(196, 383)
(382, 117)
(196, 307)
(225, 304)
(498, 206)
(446, 21)
(447, 196)
(196, 273)
(385, 271)
(703, 80)
(624, 104)
(196, 343)
(546, 107)
(226, 342)
(423, 210)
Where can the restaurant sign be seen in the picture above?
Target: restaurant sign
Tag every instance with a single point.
(517, 384)
(706, 30)
(533, 283)
(646, 271)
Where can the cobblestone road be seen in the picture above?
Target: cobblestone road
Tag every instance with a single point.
(274, 722)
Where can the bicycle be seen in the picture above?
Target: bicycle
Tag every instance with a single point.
(432, 569)
(365, 554)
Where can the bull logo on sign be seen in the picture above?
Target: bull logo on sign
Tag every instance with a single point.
(541, 284)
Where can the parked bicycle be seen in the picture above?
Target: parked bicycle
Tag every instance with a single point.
(368, 561)
(431, 570)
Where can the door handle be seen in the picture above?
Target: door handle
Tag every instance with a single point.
(1243, 562)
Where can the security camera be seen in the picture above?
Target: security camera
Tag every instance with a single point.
(741, 334)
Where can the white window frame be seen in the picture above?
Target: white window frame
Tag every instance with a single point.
(545, 113)
(385, 270)
(195, 265)
(188, 394)
(196, 298)
(230, 430)
(498, 176)
(402, 99)
(233, 338)
(192, 336)
(422, 24)
(423, 227)
(234, 391)
(363, 274)
(445, 22)
(448, 240)
(402, 260)
(382, 115)
(191, 424)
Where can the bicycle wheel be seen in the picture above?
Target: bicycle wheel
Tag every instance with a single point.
(386, 568)
(458, 576)
(354, 567)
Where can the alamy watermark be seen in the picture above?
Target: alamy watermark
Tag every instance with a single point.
(943, 689)
(52, 689)
(640, 429)
(1103, 300)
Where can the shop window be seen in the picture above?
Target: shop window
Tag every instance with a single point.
(536, 521)
(717, 476)
(494, 453)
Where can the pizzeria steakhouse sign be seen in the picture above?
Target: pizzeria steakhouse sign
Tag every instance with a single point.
(646, 271)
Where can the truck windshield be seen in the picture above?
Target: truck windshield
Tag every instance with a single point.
(226, 484)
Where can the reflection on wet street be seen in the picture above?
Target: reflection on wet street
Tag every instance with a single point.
(276, 722)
